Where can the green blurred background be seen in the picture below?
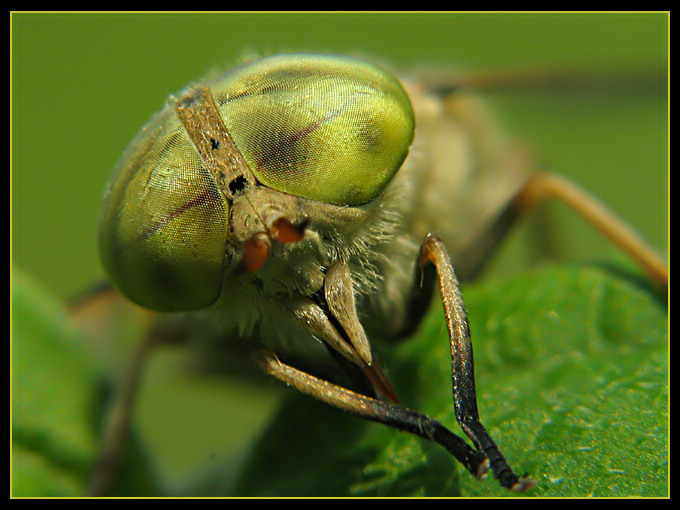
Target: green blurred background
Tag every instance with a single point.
(84, 84)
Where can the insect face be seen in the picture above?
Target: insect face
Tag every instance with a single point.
(282, 141)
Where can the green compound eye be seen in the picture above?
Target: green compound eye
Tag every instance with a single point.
(163, 224)
(330, 129)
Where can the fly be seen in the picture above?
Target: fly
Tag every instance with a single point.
(368, 220)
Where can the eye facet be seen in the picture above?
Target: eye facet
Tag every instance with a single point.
(163, 224)
(330, 129)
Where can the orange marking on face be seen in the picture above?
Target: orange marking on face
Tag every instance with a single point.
(285, 232)
(256, 251)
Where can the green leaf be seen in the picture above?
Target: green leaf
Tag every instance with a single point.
(53, 442)
(58, 400)
(572, 381)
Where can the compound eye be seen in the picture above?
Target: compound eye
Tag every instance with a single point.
(330, 129)
(163, 224)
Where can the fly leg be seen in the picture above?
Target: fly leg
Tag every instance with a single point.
(389, 414)
(116, 424)
(545, 185)
(433, 254)
(335, 321)
(541, 186)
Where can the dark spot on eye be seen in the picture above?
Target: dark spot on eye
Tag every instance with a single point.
(215, 144)
(238, 185)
